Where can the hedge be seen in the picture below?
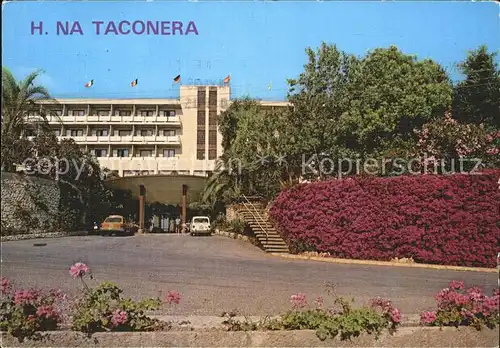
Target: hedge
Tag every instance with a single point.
(437, 219)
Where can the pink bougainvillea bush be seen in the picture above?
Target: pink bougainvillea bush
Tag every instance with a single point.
(457, 306)
(24, 312)
(440, 219)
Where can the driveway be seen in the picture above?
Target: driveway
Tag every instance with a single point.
(215, 274)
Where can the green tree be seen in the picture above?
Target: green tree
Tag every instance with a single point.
(391, 95)
(320, 96)
(477, 97)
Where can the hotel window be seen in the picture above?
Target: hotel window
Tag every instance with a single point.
(147, 113)
(122, 153)
(57, 112)
(146, 153)
(212, 144)
(201, 98)
(100, 152)
(102, 113)
(101, 132)
(146, 132)
(212, 118)
(123, 133)
(29, 133)
(201, 117)
(76, 113)
(200, 154)
(76, 132)
(200, 139)
(169, 113)
(212, 99)
(169, 153)
(169, 132)
(33, 113)
(57, 132)
(123, 113)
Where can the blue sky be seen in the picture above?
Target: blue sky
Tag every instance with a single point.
(258, 43)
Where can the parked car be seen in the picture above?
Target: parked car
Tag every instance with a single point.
(116, 224)
(200, 225)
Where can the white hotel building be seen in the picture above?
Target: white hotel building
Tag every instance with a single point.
(147, 136)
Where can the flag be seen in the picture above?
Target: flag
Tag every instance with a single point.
(134, 83)
(90, 83)
(227, 79)
(177, 78)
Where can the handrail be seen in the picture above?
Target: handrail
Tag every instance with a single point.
(255, 218)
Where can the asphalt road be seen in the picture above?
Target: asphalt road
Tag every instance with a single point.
(215, 274)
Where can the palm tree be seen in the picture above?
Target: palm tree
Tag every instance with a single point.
(18, 98)
(223, 185)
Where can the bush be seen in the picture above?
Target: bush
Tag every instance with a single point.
(23, 313)
(341, 320)
(440, 219)
(457, 306)
(237, 225)
(103, 308)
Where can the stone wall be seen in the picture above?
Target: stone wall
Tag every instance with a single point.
(28, 204)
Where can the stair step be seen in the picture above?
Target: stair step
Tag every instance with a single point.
(277, 251)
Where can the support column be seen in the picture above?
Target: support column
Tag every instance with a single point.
(142, 194)
(183, 203)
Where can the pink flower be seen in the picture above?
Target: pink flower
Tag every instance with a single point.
(47, 312)
(457, 285)
(173, 297)
(5, 285)
(493, 151)
(22, 297)
(119, 317)
(385, 305)
(475, 294)
(428, 317)
(395, 315)
(298, 301)
(79, 269)
(319, 302)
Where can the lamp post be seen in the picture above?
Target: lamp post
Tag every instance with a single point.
(142, 194)
(183, 203)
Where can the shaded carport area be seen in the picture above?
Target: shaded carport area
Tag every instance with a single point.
(164, 189)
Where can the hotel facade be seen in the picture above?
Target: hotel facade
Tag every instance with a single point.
(146, 136)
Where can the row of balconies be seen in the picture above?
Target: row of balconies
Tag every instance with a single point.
(155, 164)
(112, 139)
(170, 120)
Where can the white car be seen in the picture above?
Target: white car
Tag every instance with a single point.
(200, 225)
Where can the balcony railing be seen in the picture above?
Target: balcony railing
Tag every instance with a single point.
(117, 139)
(171, 120)
(155, 164)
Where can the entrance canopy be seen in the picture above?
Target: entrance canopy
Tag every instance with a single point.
(166, 189)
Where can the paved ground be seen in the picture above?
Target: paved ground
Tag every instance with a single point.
(216, 274)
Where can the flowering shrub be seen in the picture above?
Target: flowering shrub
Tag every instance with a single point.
(341, 320)
(446, 139)
(23, 313)
(429, 218)
(457, 306)
(104, 309)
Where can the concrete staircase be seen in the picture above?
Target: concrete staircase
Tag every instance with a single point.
(254, 216)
